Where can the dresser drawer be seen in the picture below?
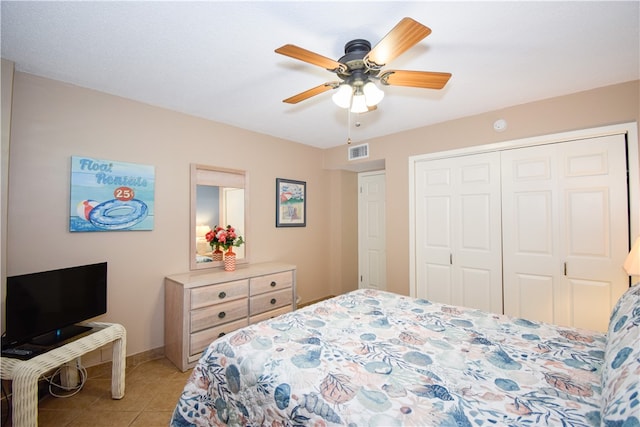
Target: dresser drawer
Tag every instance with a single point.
(201, 340)
(214, 294)
(269, 314)
(271, 282)
(270, 301)
(218, 314)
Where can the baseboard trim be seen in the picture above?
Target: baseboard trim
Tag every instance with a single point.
(131, 362)
(304, 304)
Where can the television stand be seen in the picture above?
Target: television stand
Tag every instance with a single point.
(25, 373)
(55, 338)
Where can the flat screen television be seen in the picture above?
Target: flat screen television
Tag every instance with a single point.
(42, 308)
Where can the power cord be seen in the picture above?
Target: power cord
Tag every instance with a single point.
(71, 390)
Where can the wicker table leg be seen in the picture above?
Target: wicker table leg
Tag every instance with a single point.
(25, 397)
(118, 367)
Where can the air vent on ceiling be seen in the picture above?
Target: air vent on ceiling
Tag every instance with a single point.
(359, 152)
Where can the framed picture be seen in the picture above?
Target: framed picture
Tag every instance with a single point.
(291, 203)
(108, 195)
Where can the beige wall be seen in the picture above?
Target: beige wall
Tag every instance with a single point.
(53, 121)
(599, 107)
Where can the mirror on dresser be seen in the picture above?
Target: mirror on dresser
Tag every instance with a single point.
(218, 197)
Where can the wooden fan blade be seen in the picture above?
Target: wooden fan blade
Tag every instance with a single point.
(421, 79)
(310, 57)
(311, 92)
(402, 37)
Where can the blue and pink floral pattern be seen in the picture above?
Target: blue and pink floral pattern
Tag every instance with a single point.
(621, 370)
(372, 358)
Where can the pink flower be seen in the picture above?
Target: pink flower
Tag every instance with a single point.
(228, 237)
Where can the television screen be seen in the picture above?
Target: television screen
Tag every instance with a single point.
(47, 304)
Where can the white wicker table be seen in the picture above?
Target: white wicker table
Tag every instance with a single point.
(25, 373)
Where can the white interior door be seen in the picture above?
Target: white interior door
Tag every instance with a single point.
(458, 241)
(233, 213)
(565, 226)
(372, 254)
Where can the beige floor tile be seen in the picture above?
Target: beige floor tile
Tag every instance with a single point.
(49, 418)
(152, 419)
(104, 419)
(163, 401)
(90, 393)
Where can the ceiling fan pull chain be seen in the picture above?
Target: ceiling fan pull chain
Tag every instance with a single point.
(348, 126)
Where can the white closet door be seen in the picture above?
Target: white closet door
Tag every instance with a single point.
(434, 243)
(565, 231)
(458, 242)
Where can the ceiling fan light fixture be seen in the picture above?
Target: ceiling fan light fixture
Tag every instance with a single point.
(359, 104)
(342, 98)
(372, 93)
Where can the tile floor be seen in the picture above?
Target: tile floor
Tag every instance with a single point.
(152, 390)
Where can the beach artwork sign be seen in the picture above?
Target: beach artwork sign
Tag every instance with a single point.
(111, 196)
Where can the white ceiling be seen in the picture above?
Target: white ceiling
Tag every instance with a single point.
(216, 59)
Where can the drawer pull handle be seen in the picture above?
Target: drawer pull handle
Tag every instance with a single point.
(273, 284)
(222, 295)
(273, 300)
(222, 314)
(221, 334)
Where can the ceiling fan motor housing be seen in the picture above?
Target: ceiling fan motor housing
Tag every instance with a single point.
(355, 51)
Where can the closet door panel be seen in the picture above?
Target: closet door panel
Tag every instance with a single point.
(437, 278)
(458, 231)
(433, 233)
(530, 233)
(475, 222)
(535, 297)
(476, 287)
(477, 255)
(532, 214)
(565, 217)
(433, 230)
(596, 227)
(590, 303)
(587, 235)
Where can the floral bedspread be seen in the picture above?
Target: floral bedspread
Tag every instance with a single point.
(371, 358)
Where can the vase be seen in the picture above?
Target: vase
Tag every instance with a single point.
(217, 254)
(229, 260)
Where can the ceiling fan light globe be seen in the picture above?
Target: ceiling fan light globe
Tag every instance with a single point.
(342, 98)
(372, 93)
(359, 104)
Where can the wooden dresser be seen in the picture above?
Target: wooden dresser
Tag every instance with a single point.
(204, 305)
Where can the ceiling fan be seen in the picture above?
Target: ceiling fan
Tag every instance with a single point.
(361, 65)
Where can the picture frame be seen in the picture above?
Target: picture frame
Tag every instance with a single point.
(291, 203)
(110, 195)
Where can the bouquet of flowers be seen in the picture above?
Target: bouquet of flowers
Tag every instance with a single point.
(212, 237)
(228, 237)
(225, 237)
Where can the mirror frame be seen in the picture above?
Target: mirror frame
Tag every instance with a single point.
(192, 221)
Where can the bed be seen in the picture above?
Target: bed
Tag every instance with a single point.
(373, 358)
